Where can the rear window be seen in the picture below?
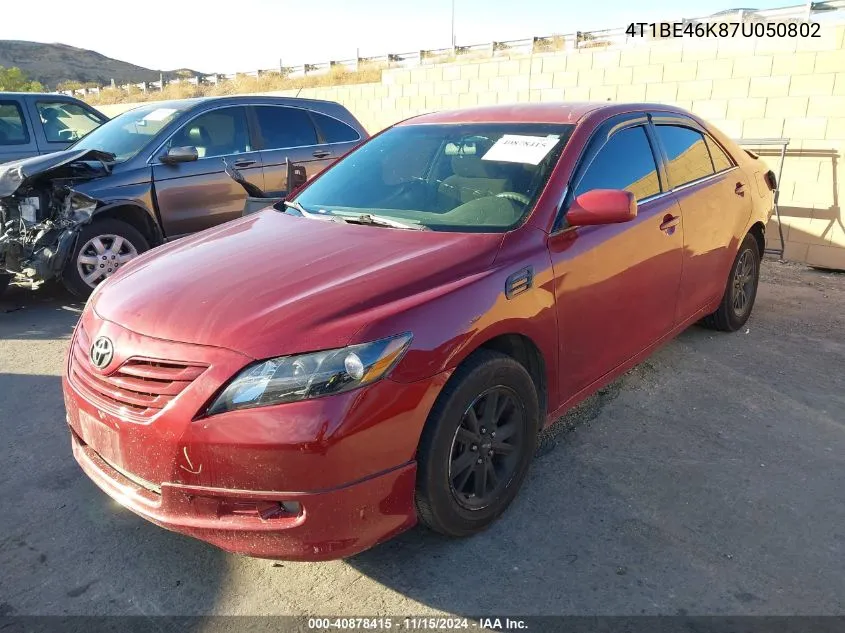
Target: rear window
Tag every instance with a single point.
(283, 127)
(12, 127)
(335, 131)
(688, 156)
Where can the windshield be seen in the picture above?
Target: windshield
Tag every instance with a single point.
(127, 134)
(480, 177)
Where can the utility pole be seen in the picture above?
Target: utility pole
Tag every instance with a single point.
(453, 24)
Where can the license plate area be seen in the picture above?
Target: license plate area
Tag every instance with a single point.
(102, 438)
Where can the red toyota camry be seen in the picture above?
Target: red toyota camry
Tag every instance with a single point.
(384, 347)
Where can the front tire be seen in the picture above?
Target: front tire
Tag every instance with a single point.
(741, 290)
(101, 248)
(5, 280)
(477, 445)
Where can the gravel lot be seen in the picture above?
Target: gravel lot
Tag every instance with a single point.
(709, 480)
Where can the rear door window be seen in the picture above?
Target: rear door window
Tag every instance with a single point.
(12, 127)
(65, 122)
(283, 127)
(335, 131)
(687, 154)
(625, 162)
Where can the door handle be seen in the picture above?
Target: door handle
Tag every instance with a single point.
(244, 163)
(740, 189)
(322, 153)
(670, 221)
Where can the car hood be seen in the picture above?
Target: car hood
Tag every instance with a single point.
(271, 284)
(18, 173)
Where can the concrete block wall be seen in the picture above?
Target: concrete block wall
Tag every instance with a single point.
(749, 88)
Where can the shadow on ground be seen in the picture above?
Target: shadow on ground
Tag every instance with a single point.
(45, 313)
(94, 557)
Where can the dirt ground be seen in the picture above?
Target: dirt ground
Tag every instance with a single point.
(708, 480)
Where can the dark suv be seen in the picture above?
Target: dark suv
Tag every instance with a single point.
(155, 173)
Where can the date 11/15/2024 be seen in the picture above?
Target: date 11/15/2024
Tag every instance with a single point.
(416, 623)
(723, 29)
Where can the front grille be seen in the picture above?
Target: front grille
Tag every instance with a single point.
(140, 387)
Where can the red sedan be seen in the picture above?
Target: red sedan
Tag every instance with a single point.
(384, 348)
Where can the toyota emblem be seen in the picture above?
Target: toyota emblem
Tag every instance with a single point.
(102, 352)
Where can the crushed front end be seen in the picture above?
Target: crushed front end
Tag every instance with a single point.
(41, 213)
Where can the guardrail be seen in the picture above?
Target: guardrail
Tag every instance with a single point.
(527, 46)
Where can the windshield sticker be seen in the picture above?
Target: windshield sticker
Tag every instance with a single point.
(514, 148)
(159, 114)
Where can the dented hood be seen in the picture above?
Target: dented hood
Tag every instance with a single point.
(18, 173)
(271, 284)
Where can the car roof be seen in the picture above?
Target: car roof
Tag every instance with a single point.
(569, 112)
(243, 99)
(52, 95)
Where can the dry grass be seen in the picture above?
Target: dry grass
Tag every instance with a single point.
(242, 84)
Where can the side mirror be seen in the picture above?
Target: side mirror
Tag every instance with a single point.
(602, 206)
(179, 155)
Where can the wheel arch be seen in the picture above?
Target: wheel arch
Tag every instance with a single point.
(526, 352)
(135, 215)
(758, 230)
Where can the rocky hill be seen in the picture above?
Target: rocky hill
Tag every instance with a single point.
(54, 63)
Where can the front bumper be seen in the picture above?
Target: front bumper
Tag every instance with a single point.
(235, 479)
(331, 524)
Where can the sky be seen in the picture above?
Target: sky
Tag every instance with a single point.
(225, 37)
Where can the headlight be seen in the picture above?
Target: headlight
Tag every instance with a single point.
(80, 207)
(306, 376)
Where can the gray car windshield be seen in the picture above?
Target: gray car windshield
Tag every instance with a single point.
(127, 134)
(479, 177)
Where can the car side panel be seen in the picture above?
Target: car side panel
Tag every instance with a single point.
(714, 219)
(616, 288)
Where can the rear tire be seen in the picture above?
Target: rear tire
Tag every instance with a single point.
(477, 445)
(101, 248)
(741, 290)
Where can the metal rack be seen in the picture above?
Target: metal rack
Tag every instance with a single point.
(783, 143)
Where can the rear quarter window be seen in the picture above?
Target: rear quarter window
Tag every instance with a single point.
(335, 131)
(12, 127)
(721, 161)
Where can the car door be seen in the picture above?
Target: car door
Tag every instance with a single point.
(16, 138)
(196, 195)
(715, 203)
(289, 134)
(616, 284)
(62, 122)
